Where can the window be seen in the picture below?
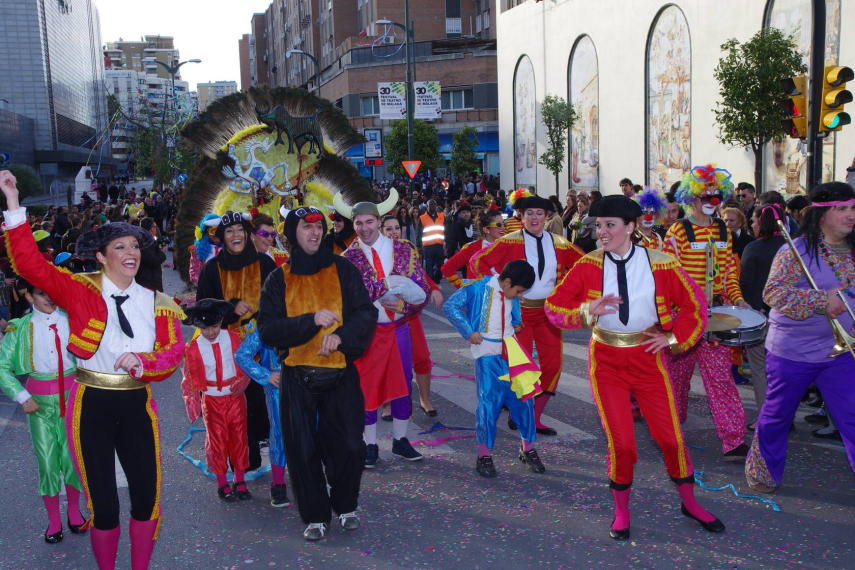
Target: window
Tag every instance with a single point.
(369, 106)
(458, 99)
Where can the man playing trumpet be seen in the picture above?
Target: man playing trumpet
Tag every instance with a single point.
(808, 292)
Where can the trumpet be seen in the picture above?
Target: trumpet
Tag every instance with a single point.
(843, 341)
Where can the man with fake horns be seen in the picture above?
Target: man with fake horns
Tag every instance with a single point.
(551, 256)
(641, 305)
(316, 313)
(398, 286)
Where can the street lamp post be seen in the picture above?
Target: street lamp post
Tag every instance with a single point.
(173, 71)
(411, 96)
(291, 52)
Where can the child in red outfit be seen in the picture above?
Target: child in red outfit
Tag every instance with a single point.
(213, 387)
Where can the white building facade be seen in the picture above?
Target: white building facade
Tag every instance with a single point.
(640, 75)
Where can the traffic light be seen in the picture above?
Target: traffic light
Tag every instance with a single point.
(795, 88)
(834, 96)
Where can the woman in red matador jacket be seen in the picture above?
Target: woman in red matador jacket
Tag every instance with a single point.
(125, 337)
(491, 227)
(639, 301)
(551, 256)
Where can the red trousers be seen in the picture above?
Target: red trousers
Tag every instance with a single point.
(615, 374)
(226, 440)
(537, 330)
(421, 352)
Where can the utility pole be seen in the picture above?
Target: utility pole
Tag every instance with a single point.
(815, 136)
(411, 95)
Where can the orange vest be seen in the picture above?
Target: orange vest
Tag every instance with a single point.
(433, 231)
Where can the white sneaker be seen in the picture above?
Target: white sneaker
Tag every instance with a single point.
(315, 531)
(349, 521)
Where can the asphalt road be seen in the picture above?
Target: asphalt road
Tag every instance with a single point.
(439, 514)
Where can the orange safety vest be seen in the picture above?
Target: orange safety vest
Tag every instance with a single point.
(433, 231)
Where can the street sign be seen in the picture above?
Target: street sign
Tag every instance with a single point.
(373, 162)
(411, 166)
(373, 143)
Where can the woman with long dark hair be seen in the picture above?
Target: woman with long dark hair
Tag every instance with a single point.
(800, 342)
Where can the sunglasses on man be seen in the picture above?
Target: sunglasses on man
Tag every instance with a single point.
(265, 234)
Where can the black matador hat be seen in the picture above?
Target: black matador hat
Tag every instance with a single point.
(207, 312)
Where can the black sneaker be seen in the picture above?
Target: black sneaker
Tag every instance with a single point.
(372, 455)
(279, 495)
(818, 418)
(226, 493)
(827, 433)
(485, 467)
(241, 492)
(403, 449)
(531, 459)
(737, 453)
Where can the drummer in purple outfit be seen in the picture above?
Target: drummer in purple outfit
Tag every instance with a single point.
(800, 341)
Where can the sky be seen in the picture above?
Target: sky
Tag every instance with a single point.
(205, 29)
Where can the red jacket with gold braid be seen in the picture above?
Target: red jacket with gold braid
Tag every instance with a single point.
(680, 303)
(511, 246)
(79, 294)
(194, 381)
(461, 259)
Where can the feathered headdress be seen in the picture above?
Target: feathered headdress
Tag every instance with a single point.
(264, 148)
(203, 243)
(704, 180)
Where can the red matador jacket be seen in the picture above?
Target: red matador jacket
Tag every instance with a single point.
(80, 295)
(510, 247)
(680, 303)
(461, 259)
(194, 381)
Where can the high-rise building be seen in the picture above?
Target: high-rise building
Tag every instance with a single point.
(143, 55)
(210, 92)
(454, 43)
(243, 55)
(52, 73)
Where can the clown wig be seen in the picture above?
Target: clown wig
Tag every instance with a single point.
(701, 180)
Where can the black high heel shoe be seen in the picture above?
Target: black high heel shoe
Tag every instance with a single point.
(78, 528)
(709, 526)
(54, 538)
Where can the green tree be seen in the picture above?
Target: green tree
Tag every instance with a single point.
(425, 146)
(29, 183)
(558, 116)
(463, 160)
(752, 103)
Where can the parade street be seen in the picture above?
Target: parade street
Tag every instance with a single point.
(439, 513)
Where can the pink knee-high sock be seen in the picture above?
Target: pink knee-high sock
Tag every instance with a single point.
(221, 480)
(527, 445)
(73, 508)
(54, 520)
(239, 474)
(539, 405)
(278, 474)
(687, 495)
(621, 499)
(483, 450)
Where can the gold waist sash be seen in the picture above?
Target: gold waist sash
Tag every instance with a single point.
(532, 303)
(108, 381)
(621, 339)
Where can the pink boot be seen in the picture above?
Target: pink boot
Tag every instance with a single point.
(142, 542)
(620, 525)
(105, 544)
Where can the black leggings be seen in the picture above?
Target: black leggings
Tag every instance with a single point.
(119, 423)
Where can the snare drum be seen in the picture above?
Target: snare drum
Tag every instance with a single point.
(734, 326)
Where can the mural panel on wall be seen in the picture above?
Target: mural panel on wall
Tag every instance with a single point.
(784, 161)
(669, 99)
(525, 124)
(585, 135)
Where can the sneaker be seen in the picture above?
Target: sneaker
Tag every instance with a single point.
(372, 455)
(531, 459)
(241, 492)
(737, 453)
(349, 521)
(279, 495)
(484, 467)
(827, 433)
(226, 493)
(402, 448)
(817, 418)
(315, 531)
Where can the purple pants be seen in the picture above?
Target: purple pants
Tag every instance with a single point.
(402, 408)
(788, 381)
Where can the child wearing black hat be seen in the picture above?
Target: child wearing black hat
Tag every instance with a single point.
(213, 387)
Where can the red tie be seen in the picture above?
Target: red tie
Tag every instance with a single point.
(218, 364)
(60, 374)
(378, 268)
(504, 348)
